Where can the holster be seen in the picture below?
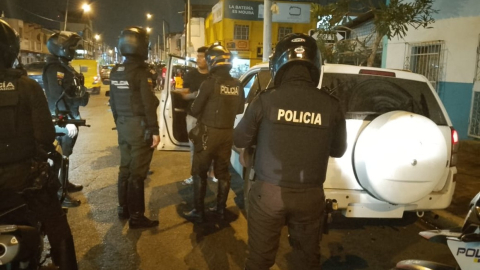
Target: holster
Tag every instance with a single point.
(41, 177)
(196, 136)
(148, 137)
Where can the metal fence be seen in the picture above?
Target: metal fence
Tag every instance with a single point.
(474, 125)
(427, 58)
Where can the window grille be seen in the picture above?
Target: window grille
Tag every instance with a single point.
(241, 32)
(427, 58)
(474, 125)
(283, 31)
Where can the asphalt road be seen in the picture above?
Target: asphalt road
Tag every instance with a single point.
(104, 242)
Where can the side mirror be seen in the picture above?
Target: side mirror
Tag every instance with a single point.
(107, 93)
(472, 237)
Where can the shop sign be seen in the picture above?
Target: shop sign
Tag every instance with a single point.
(238, 45)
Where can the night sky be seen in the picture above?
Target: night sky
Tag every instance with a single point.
(109, 16)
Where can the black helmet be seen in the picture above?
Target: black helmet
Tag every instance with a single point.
(218, 56)
(296, 48)
(134, 41)
(9, 44)
(472, 220)
(63, 44)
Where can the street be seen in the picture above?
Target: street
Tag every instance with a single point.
(104, 242)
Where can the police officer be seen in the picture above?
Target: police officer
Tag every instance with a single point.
(134, 107)
(220, 99)
(26, 127)
(65, 85)
(295, 128)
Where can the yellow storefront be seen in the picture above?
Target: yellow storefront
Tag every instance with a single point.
(238, 25)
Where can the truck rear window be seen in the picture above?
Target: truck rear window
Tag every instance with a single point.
(364, 96)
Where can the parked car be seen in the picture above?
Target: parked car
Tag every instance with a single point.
(402, 148)
(90, 70)
(35, 71)
(105, 72)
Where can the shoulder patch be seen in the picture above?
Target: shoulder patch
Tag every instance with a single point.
(121, 68)
(60, 75)
(7, 86)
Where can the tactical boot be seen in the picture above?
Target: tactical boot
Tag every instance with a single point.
(222, 195)
(63, 255)
(123, 212)
(139, 221)
(71, 187)
(199, 191)
(136, 205)
(122, 186)
(69, 201)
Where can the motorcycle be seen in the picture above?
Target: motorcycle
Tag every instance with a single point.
(464, 244)
(21, 235)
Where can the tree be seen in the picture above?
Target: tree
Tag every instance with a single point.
(390, 20)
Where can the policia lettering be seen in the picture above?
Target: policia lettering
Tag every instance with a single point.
(227, 90)
(7, 86)
(303, 117)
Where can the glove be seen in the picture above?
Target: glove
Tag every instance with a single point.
(72, 130)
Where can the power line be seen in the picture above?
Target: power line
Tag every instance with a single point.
(42, 17)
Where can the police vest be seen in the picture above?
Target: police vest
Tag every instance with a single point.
(121, 91)
(222, 107)
(13, 145)
(75, 93)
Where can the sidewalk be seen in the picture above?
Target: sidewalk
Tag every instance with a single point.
(468, 185)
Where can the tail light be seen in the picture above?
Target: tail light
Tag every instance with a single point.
(455, 145)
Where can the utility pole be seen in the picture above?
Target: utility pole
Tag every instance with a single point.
(267, 29)
(158, 48)
(189, 29)
(164, 43)
(66, 15)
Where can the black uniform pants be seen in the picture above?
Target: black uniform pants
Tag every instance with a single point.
(270, 208)
(43, 203)
(219, 148)
(135, 158)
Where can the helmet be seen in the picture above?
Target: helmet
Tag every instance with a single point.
(295, 48)
(134, 41)
(218, 56)
(472, 220)
(63, 44)
(9, 44)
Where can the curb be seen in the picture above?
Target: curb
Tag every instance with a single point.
(442, 219)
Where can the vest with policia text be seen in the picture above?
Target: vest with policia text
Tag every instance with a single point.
(125, 90)
(16, 141)
(223, 104)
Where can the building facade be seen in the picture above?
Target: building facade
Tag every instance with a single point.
(33, 40)
(239, 25)
(448, 54)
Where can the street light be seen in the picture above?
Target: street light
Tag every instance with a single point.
(149, 29)
(86, 7)
(97, 37)
(149, 16)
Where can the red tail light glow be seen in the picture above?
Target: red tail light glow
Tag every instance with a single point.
(455, 144)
